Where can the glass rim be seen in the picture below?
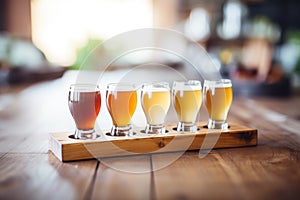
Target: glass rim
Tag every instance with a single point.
(188, 84)
(187, 81)
(84, 87)
(156, 83)
(121, 86)
(220, 82)
(156, 86)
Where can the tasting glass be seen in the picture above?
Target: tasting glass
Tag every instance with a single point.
(187, 100)
(155, 99)
(217, 98)
(121, 101)
(84, 102)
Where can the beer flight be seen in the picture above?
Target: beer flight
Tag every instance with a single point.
(84, 102)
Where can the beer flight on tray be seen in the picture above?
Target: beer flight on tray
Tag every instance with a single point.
(121, 100)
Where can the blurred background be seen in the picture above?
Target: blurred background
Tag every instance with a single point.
(256, 43)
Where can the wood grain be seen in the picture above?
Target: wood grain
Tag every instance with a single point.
(269, 170)
(273, 133)
(241, 173)
(190, 177)
(123, 178)
(67, 149)
(42, 176)
(274, 170)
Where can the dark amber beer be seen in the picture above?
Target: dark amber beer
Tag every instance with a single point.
(84, 104)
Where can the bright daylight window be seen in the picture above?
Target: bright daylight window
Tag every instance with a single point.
(60, 27)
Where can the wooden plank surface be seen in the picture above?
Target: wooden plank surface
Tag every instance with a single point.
(269, 170)
(42, 176)
(190, 177)
(239, 173)
(264, 172)
(123, 178)
(275, 133)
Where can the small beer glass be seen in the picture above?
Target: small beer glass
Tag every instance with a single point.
(121, 100)
(217, 97)
(187, 100)
(155, 98)
(84, 103)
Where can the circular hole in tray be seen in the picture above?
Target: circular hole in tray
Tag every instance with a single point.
(175, 129)
(109, 134)
(205, 126)
(144, 132)
(73, 137)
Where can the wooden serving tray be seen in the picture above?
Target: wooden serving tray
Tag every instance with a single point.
(68, 149)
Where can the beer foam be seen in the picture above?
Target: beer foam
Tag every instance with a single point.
(190, 85)
(114, 88)
(120, 89)
(187, 87)
(224, 83)
(219, 84)
(158, 89)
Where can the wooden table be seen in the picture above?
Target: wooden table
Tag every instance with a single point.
(28, 170)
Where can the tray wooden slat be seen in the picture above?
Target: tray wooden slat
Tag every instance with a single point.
(68, 149)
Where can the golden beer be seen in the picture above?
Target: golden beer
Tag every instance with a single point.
(218, 103)
(187, 105)
(155, 102)
(121, 106)
(218, 98)
(187, 100)
(121, 101)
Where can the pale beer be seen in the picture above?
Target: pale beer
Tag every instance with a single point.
(155, 102)
(187, 100)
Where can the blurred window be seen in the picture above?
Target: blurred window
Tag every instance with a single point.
(60, 27)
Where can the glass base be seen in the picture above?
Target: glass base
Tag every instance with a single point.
(85, 134)
(121, 131)
(214, 124)
(155, 129)
(187, 127)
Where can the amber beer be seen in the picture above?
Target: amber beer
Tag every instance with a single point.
(84, 103)
(121, 101)
(218, 98)
(155, 102)
(187, 100)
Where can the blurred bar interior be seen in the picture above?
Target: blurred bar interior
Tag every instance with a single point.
(256, 43)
